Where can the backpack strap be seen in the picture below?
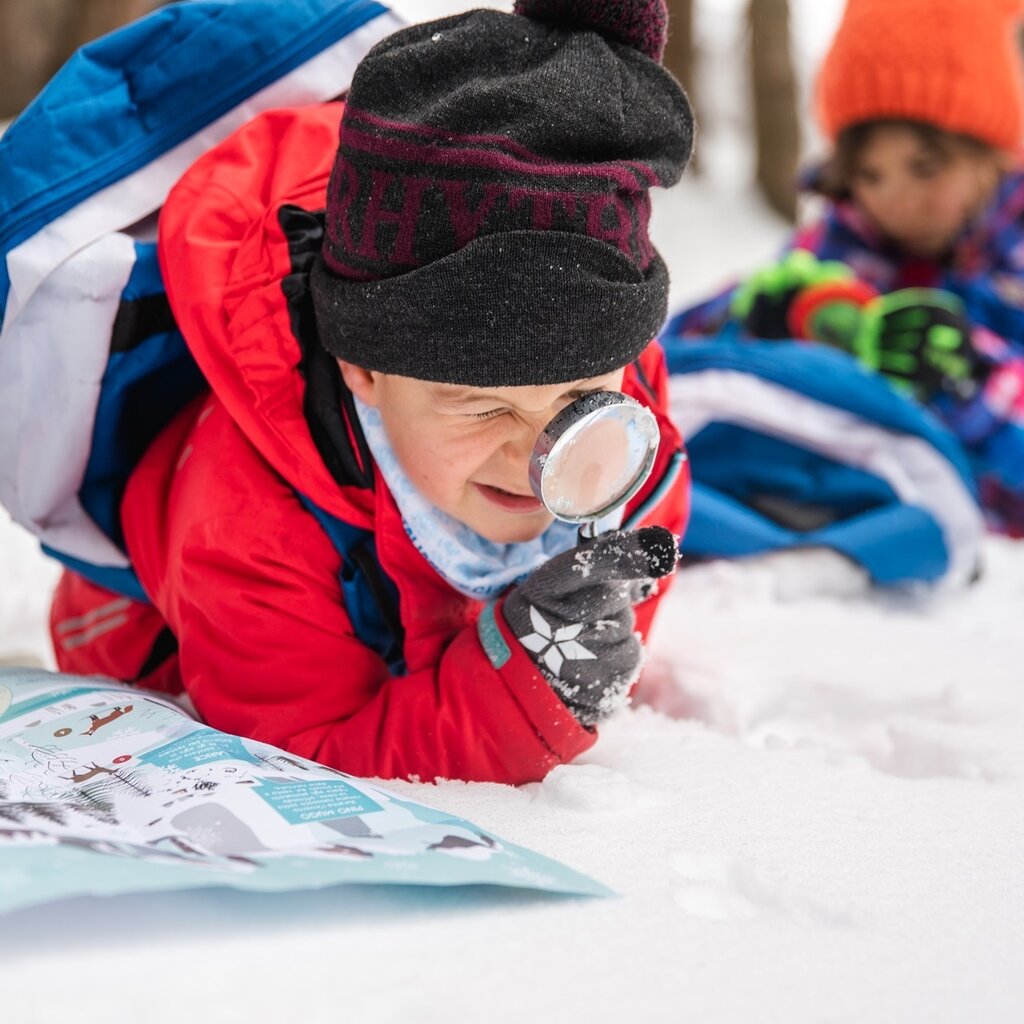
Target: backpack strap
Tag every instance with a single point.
(327, 404)
(371, 597)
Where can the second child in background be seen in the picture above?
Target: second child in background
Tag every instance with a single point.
(916, 266)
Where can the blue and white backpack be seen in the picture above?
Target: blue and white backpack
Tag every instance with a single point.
(92, 364)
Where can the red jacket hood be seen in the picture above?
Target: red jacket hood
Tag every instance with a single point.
(223, 256)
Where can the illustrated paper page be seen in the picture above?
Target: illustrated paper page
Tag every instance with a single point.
(108, 789)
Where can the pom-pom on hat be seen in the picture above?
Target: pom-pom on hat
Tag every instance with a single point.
(644, 26)
(487, 213)
(954, 64)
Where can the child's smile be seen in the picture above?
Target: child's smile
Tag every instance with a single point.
(507, 501)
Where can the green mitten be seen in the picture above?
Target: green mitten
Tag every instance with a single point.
(920, 338)
(762, 302)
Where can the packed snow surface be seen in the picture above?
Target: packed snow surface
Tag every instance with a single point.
(813, 812)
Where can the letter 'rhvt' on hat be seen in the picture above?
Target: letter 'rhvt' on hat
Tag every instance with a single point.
(487, 213)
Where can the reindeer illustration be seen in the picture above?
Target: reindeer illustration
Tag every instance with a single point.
(96, 769)
(98, 723)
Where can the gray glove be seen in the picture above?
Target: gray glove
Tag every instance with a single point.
(575, 616)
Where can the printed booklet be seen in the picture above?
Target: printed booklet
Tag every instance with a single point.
(109, 789)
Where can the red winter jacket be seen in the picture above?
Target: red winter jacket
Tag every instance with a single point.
(242, 573)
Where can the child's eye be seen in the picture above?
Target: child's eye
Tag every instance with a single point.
(866, 178)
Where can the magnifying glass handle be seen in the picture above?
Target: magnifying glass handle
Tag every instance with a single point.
(587, 532)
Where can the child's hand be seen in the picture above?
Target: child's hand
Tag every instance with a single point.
(575, 616)
(762, 302)
(920, 339)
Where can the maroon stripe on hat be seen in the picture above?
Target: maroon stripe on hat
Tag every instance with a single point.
(612, 217)
(616, 173)
(427, 131)
(347, 270)
(501, 142)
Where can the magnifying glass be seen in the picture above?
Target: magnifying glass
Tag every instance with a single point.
(593, 457)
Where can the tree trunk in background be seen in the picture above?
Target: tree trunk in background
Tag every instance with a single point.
(680, 57)
(26, 46)
(38, 36)
(776, 122)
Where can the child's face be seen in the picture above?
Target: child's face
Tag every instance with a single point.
(917, 195)
(467, 450)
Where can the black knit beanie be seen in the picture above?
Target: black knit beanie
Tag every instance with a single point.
(487, 213)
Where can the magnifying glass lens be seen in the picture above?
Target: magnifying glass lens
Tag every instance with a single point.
(594, 456)
(593, 469)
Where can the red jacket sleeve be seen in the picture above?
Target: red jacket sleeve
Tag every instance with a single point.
(267, 651)
(248, 583)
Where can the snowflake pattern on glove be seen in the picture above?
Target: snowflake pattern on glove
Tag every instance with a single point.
(555, 646)
(587, 594)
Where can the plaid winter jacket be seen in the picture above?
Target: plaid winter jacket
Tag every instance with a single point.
(986, 270)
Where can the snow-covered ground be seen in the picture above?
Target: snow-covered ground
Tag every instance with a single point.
(814, 813)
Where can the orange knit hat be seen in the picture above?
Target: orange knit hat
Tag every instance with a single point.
(954, 64)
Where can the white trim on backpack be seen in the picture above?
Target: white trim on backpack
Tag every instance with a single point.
(918, 473)
(65, 286)
(52, 360)
(137, 196)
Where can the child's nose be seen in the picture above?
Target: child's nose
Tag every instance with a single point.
(904, 206)
(520, 445)
(897, 197)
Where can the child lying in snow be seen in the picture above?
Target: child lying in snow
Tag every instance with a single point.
(923, 102)
(484, 260)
